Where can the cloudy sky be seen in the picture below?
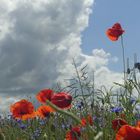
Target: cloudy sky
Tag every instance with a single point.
(39, 39)
(105, 14)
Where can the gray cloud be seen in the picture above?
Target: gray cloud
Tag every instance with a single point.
(38, 40)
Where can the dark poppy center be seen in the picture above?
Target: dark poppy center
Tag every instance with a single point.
(22, 112)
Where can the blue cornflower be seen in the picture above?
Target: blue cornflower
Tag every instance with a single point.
(116, 109)
(80, 105)
(137, 107)
(94, 118)
(132, 100)
(23, 126)
(19, 121)
(63, 126)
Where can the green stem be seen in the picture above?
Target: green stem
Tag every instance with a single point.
(123, 53)
(64, 112)
(78, 76)
(81, 87)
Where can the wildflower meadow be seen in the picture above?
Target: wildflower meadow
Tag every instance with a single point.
(78, 111)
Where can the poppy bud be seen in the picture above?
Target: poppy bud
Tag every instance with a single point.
(117, 123)
(62, 100)
(74, 133)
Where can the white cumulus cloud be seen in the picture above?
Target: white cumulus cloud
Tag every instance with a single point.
(38, 41)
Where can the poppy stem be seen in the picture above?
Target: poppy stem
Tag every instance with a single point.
(123, 54)
(63, 112)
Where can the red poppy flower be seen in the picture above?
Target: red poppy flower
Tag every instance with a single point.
(115, 32)
(45, 94)
(117, 123)
(62, 100)
(22, 109)
(74, 133)
(87, 119)
(127, 132)
(43, 111)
